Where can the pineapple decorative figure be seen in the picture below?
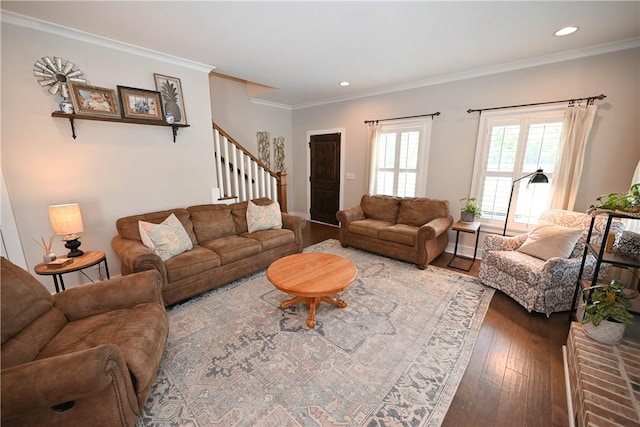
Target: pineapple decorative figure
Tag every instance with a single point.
(170, 96)
(170, 89)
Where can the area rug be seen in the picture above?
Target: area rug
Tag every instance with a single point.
(394, 356)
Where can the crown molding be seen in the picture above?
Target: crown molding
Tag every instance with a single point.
(270, 104)
(486, 71)
(70, 33)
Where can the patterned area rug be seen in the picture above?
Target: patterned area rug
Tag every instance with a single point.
(394, 356)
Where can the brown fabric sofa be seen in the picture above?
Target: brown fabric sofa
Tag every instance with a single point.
(223, 249)
(409, 229)
(85, 356)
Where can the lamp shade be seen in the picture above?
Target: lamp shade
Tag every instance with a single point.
(539, 178)
(66, 219)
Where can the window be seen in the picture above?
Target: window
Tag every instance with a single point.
(400, 157)
(510, 146)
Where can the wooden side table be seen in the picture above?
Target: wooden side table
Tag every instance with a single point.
(465, 227)
(89, 259)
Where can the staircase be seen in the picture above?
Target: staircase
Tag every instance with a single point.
(242, 176)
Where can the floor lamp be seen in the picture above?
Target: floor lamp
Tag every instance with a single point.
(537, 177)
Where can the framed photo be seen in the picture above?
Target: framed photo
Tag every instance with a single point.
(140, 103)
(170, 89)
(93, 100)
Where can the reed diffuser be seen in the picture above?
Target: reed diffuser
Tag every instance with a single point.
(47, 248)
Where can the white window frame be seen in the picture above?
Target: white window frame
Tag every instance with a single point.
(423, 125)
(488, 119)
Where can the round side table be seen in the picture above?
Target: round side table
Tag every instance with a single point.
(89, 259)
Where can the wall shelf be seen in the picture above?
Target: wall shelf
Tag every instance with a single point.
(72, 117)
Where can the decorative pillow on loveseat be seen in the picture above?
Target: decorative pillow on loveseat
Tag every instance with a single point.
(551, 241)
(167, 239)
(266, 217)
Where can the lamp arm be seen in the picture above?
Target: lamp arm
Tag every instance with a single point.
(513, 184)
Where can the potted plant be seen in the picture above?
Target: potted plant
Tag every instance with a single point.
(606, 312)
(623, 202)
(470, 211)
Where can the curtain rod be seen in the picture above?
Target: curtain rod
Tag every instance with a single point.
(589, 99)
(437, 113)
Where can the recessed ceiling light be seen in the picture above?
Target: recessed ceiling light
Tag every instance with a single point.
(566, 31)
(344, 84)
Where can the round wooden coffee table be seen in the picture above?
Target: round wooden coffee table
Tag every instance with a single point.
(312, 278)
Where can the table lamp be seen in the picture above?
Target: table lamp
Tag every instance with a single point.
(537, 177)
(66, 220)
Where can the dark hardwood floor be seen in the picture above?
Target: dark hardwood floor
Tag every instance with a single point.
(515, 376)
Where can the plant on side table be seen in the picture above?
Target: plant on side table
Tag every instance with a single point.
(624, 202)
(471, 210)
(606, 312)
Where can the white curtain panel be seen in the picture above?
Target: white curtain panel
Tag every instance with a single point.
(374, 129)
(634, 225)
(576, 127)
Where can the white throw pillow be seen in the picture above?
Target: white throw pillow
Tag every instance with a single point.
(166, 239)
(551, 241)
(263, 217)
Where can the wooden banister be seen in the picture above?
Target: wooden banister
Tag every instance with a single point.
(280, 177)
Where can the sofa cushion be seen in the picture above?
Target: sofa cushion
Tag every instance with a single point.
(166, 239)
(400, 233)
(128, 226)
(384, 208)
(418, 211)
(266, 217)
(137, 332)
(368, 227)
(233, 248)
(212, 221)
(23, 300)
(270, 239)
(190, 263)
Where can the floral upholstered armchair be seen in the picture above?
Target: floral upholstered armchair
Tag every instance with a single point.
(545, 282)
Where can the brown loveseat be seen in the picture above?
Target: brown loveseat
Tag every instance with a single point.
(410, 229)
(85, 356)
(223, 249)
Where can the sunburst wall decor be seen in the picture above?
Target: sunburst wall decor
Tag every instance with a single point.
(56, 74)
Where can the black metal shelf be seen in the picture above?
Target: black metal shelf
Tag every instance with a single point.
(601, 255)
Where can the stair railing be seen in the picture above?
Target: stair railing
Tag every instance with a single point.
(242, 176)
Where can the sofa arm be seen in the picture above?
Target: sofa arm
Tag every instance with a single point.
(348, 215)
(345, 217)
(296, 224)
(37, 386)
(114, 294)
(136, 257)
(495, 242)
(434, 228)
(560, 271)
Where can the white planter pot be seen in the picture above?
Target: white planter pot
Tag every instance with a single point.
(606, 332)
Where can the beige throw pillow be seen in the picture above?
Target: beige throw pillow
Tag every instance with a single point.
(551, 241)
(263, 217)
(167, 239)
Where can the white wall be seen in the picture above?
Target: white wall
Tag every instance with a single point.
(612, 153)
(111, 169)
(233, 110)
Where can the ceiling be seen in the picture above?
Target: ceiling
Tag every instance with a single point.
(304, 49)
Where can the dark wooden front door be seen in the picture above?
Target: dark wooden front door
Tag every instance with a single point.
(325, 177)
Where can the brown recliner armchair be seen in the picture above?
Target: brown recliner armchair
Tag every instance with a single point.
(85, 356)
